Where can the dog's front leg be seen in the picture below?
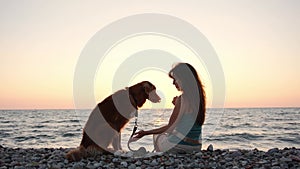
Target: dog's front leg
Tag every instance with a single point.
(117, 142)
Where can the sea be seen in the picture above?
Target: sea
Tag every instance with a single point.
(229, 128)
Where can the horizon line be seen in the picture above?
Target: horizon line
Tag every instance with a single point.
(253, 107)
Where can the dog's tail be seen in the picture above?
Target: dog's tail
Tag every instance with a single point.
(81, 152)
(76, 154)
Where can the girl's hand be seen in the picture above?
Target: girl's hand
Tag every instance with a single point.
(174, 100)
(139, 134)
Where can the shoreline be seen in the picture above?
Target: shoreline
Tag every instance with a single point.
(274, 158)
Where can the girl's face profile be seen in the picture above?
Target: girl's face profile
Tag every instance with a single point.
(177, 84)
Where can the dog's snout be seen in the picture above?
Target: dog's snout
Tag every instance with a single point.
(158, 99)
(153, 97)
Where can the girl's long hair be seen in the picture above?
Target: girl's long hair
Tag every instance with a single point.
(193, 90)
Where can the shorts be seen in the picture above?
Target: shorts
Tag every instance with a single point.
(162, 144)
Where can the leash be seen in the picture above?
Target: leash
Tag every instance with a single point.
(133, 130)
(142, 150)
(135, 124)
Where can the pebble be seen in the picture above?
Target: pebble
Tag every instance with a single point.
(262, 162)
(54, 158)
(154, 163)
(115, 160)
(199, 154)
(273, 150)
(275, 167)
(138, 163)
(78, 165)
(146, 162)
(168, 163)
(132, 166)
(295, 158)
(210, 148)
(284, 159)
(124, 163)
(19, 167)
(235, 154)
(97, 165)
(244, 163)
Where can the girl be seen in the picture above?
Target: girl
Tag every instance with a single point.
(183, 132)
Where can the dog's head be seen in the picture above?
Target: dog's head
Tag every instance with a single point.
(142, 91)
(150, 91)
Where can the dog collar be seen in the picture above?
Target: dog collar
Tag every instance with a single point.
(133, 100)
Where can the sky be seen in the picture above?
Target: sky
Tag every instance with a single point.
(257, 44)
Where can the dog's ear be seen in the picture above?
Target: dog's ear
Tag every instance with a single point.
(150, 90)
(147, 86)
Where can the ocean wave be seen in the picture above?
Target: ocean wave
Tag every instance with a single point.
(70, 134)
(4, 134)
(24, 138)
(39, 126)
(293, 140)
(48, 121)
(68, 121)
(45, 136)
(6, 121)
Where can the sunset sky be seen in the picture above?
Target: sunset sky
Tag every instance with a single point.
(257, 43)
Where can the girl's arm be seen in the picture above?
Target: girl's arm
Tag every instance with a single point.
(167, 128)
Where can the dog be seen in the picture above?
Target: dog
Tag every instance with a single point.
(102, 131)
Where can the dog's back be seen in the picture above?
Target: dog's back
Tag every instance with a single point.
(117, 109)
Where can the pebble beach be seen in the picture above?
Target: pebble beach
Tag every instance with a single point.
(275, 158)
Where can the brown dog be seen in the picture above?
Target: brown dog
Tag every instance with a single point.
(103, 128)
